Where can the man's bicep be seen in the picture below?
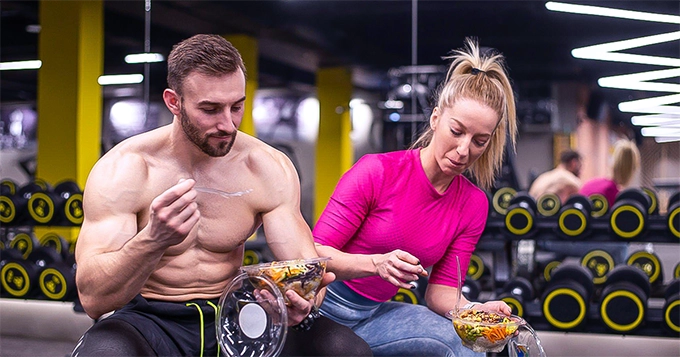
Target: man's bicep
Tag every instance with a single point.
(105, 235)
(287, 233)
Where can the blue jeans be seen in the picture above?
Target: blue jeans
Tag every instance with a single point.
(393, 328)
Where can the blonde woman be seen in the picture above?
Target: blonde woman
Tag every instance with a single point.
(394, 215)
(625, 166)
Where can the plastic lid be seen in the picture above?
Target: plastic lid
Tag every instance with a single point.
(252, 318)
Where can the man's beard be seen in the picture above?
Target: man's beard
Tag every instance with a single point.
(194, 135)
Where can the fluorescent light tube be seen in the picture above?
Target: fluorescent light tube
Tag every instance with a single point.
(18, 65)
(639, 81)
(660, 131)
(604, 51)
(663, 139)
(655, 119)
(144, 58)
(656, 105)
(120, 79)
(610, 12)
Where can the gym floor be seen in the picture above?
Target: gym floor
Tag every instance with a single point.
(51, 329)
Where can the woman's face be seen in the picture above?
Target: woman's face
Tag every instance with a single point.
(461, 134)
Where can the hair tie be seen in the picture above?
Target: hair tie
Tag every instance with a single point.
(476, 71)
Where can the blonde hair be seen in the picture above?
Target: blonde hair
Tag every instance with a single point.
(626, 162)
(482, 78)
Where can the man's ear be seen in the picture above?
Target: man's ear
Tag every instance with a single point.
(172, 101)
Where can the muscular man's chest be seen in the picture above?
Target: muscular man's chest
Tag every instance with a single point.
(225, 223)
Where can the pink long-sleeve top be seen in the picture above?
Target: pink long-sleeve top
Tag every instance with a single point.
(386, 202)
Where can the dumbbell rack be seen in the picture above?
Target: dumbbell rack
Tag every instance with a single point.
(38, 268)
(514, 251)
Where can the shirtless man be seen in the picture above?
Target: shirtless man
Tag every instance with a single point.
(563, 180)
(160, 252)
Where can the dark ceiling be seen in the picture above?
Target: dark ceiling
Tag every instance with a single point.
(295, 37)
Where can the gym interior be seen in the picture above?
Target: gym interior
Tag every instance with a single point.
(331, 81)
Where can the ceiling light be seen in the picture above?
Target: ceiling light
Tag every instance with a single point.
(33, 28)
(638, 81)
(17, 65)
(609, 12)
(656, 105)
(661, 131)
(120, 79)
(663, 139)
(655, 119)
(603, 52)
(393, 104)
(144, 58)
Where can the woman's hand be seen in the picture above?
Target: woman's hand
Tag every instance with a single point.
(497, 306)
(398, 267)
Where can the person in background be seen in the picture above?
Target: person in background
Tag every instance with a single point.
(396, 216)
(563, 180)
(623, 170)
(157, 251)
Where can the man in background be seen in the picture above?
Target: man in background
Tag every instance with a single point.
(563, 180)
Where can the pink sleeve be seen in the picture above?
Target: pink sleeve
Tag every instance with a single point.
(475, 210)
(350, 203)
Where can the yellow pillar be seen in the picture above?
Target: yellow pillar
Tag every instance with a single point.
(71, 47)
(247, 46)
(334, 154)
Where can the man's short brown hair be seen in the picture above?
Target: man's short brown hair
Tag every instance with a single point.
(207, 54)
(568, 155)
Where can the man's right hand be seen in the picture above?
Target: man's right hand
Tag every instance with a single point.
(174, 213)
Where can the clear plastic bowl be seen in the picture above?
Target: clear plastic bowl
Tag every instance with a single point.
(483, 331)
(300, 275)
(252, 318)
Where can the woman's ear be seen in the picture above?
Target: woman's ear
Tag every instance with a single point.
(434, 118)
(172, 101)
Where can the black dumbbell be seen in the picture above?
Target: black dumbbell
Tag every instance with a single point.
(25, 243)
(8, 187)
(628, 218)
(650, 264)
(517, 292)
(566, 298)
(548, 204)
(40, 205)
(477, 276)
(600, 205)
(501, 198)
(57, 280)
(653, 201)
(600, 263)
(623, 302)
(251, 256)
(477, 270)
(471, 288)
(574, 217)
(56, 242)
(20, 275)
(544, 268)
(520, 219)
(14, 206)
(68, 202)
(673, 215)
(671, 307)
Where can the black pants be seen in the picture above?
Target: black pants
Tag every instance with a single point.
(158, 328)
